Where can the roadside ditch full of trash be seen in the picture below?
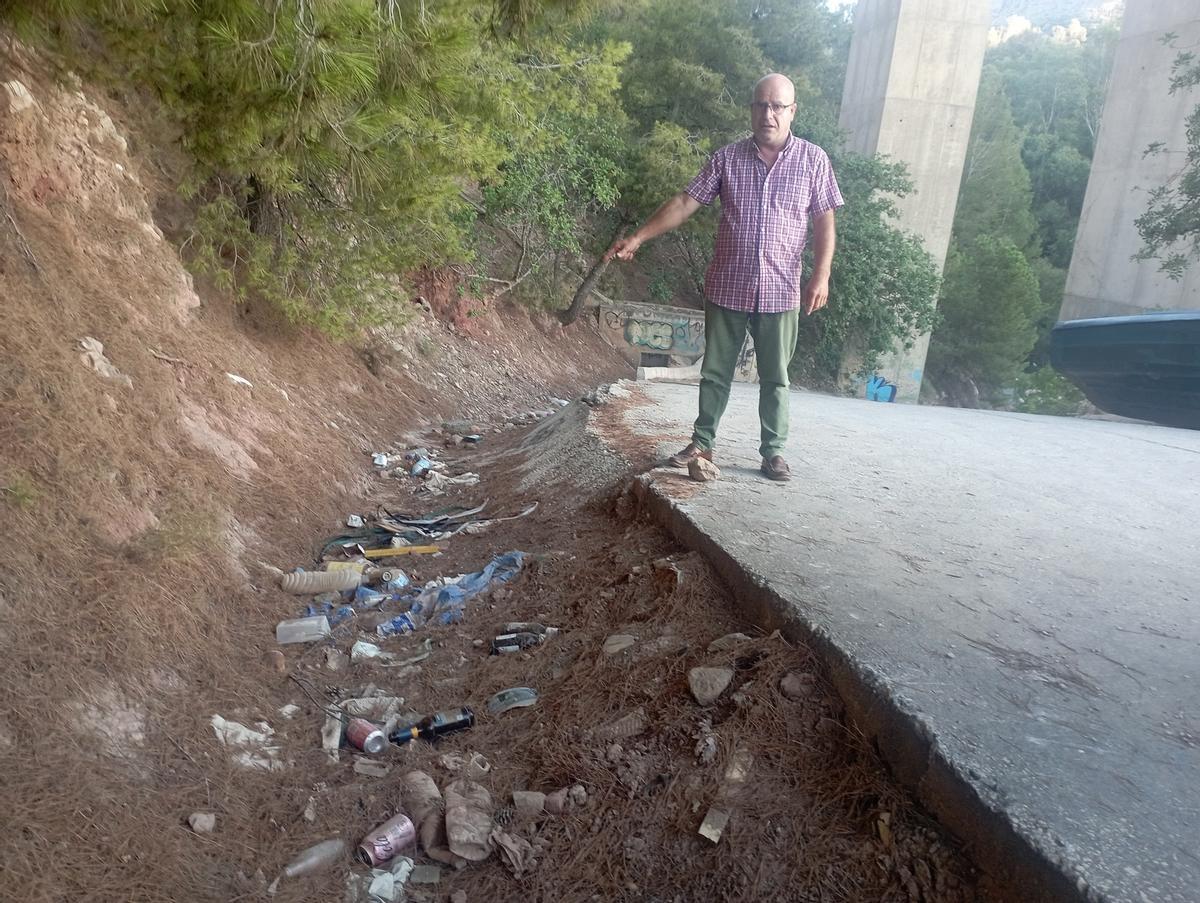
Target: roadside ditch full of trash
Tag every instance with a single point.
(362, 616)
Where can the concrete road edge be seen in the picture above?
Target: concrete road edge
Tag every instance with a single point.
(1018, 866)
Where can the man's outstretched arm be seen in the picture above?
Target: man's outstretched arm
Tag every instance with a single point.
(671, 215)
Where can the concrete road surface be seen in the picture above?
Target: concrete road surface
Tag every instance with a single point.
(1019, 592)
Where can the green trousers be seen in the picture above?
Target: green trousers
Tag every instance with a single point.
(774, 344)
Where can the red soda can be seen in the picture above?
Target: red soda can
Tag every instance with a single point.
(365, 736)
(387, 840)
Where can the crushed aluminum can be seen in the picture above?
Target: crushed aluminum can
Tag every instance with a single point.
(364, 735)
(386, 841)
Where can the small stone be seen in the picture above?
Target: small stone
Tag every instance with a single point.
(370, 769)
(477, 643)
(703, 471)
(277, 660)
(556, 802)
(529, 802)
(708, 683)
(796, 685)
(614, 753)
(425, 874)
(335, 660)
(310, 810)
(578, 795)
(618, 642)
(459, 896)
(202, 822)
(729, 641)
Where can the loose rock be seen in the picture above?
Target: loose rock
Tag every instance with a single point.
(796, 685)
(202, 822)
(703, 471)
(708, 683)
(618, 642)
(729, 641)
(578, 795)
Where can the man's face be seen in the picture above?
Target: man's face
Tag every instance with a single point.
(772, 112)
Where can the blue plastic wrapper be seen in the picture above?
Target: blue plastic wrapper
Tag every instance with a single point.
(400, 581)
(365, 597)
(400, 624)
(342, 614)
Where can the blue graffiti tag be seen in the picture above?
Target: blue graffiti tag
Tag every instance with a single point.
(879, 389)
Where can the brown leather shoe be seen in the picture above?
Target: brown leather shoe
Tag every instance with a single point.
(776, 469)
(683, 458)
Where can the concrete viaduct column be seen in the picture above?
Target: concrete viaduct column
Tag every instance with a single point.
(910, 94)
(1103, 281)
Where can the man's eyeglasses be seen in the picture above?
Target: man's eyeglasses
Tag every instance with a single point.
(761, 107)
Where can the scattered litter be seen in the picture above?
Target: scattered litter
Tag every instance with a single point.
(289, 711)
(477, 767)
(707, 684)
(714, 824)
(387, 841)
(437, 483)
(618, 642)
(468, 820)
(473, 439)
(380, 459)
(426, 874)
(797, 685)
(93, 356)
(401, 550)
(512, 698)
(380, 886)
(355, 521)
(424, 803)
(240, 380)
(253, 745)
(703, 471)
(515, 851)
(510, 643)
(435, 725)
(556, 802)
(365, 735)
(369, 768)
(420, 467)
(334, 580)
(629, 725)
(442, 602)
(729, 641)
(302, 630)
(706, 742)
(529, 802)
(202, 822)
(317, 858)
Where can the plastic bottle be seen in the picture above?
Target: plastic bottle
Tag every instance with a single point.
(405, 623)
(313, 582)
(302, 630)
(316, 858)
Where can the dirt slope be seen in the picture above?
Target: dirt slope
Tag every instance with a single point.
(135, 508)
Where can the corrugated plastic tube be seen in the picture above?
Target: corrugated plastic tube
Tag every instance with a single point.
(313, 582)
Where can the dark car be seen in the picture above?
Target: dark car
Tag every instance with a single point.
(1147, 367)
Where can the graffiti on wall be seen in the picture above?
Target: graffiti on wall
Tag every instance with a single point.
(683, 336)
(879, 389)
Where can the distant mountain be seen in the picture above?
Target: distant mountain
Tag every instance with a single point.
(1045, 12)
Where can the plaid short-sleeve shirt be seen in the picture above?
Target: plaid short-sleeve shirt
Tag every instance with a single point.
(764, 221)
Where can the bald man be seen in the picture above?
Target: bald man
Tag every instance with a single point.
(775, 189)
